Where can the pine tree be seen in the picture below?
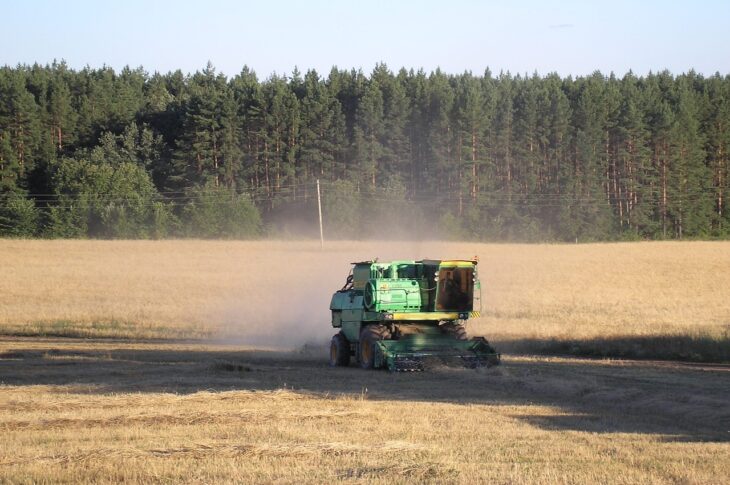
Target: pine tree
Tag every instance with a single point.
(61, 111)
(474, 116)
(128, 98)
(556, 132)
(501, 155)
(248, 99)
(717, 128)
(396, 107)
(280, 116)
(368, 133)
(414, 84)
(437, 108)
(526, 149)
(586, 209)
(199, 157)
(640, 178)
(20, 131)
(689, 178)
(322, 132)
(95, 104)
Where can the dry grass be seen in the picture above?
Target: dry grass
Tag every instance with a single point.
(666, 300)
(210, 411)
(103, 411)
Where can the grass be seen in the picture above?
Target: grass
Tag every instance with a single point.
(110, 411)
(645, 300)
(162, 361)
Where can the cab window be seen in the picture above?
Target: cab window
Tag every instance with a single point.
(455, 289)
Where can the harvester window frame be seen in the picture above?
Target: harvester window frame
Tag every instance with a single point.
(349, 282)
(455, 289)
(410, 271)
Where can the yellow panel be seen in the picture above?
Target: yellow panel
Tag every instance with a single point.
(426, 316)
(458, 263)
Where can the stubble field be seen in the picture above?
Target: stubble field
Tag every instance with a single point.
(204, 361)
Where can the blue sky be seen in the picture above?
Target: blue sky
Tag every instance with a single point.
(571, 37)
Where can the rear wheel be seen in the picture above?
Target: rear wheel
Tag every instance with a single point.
(369, 337)
(339, 351)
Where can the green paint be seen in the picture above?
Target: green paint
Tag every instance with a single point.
(419, 303)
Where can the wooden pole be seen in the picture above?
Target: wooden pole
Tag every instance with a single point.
(319, 207)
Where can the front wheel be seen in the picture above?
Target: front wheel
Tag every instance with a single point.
(369, 337)
(339, 351)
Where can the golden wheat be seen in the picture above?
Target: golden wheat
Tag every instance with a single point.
(105, 411)
(269, 290)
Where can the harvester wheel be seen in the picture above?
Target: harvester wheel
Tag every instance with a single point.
(456, 330)
(369, 336)
(339, 351)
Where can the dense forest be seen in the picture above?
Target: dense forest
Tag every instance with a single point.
(105, 154)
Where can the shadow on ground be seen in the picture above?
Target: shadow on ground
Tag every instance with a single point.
(680, 402)
(666, 347)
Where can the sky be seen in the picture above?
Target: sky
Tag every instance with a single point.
(273, 36)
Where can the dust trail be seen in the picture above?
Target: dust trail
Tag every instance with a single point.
(283, 302)
(283, 312)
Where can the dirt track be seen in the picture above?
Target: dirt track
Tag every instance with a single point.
(688, 402)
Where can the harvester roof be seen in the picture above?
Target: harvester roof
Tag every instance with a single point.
(446, 262)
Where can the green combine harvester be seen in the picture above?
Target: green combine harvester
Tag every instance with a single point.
(403, 315)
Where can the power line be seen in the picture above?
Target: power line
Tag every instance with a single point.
(284, 193)
(131, 202)
(490, 195)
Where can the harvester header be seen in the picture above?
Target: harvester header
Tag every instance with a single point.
(401, 314)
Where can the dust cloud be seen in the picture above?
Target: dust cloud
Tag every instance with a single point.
(281, 301)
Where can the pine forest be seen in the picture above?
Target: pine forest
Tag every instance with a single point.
(494, 157)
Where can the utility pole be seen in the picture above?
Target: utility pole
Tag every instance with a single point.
(319, 207)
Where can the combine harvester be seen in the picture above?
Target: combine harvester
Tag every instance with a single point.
(403, 315)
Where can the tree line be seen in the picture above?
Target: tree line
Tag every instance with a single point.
(99, 153)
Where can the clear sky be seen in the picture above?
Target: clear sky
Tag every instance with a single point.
(569, 37)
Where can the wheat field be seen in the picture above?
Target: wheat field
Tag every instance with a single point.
(191, 361)
(641, 299)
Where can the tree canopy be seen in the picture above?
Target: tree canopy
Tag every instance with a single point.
(99, 153)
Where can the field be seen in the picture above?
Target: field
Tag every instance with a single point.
(651, 300)
(205, 361)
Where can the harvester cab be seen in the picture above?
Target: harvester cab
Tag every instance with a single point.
(403, 314)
